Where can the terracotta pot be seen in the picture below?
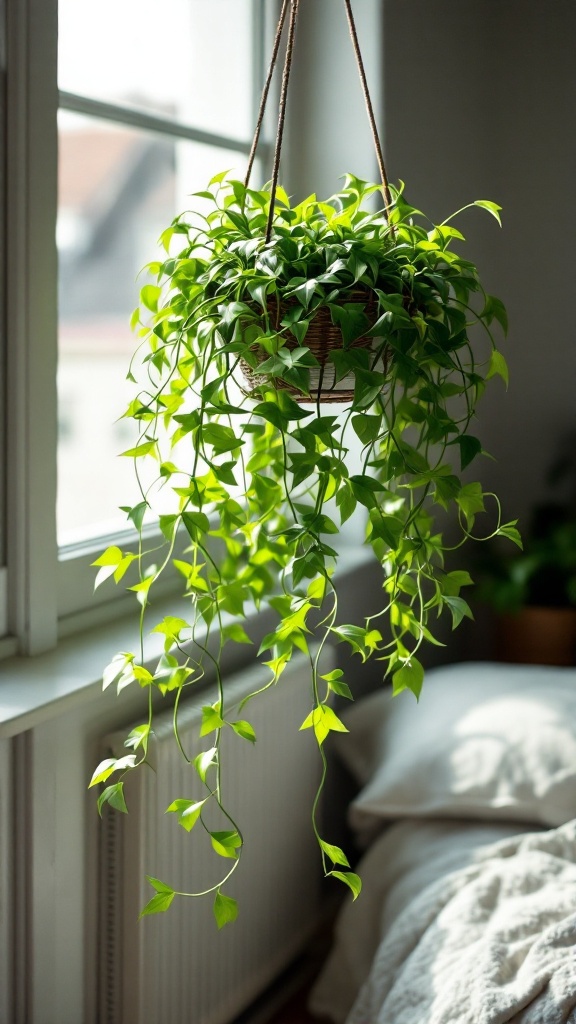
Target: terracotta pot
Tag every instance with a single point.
(537, 636)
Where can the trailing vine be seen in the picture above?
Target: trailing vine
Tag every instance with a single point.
(258, 477)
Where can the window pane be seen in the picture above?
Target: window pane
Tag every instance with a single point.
(188, 59)
(118, 189)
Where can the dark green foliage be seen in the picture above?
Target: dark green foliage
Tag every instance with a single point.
(260, 483)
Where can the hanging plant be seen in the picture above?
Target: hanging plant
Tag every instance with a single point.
(260, 314)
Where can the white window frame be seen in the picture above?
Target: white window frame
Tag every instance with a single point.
(50, 592)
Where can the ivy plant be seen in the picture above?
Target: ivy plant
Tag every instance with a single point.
(259, 481)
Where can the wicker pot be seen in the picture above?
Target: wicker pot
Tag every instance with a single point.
(322, 338)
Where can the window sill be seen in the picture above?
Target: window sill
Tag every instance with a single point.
(34, 690)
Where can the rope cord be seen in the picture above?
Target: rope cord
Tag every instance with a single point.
(282, 114)
(265, 91)
(369, 107)
(294, 5)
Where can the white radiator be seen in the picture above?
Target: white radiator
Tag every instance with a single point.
(176, 968)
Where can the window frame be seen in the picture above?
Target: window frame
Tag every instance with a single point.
(50, 591)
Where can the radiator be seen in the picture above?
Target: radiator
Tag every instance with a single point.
(176, 968)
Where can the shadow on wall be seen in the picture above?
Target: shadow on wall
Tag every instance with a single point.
(494, 125)
(477, 99)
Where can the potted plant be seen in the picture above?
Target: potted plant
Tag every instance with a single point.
(533, 592)
(254, 469)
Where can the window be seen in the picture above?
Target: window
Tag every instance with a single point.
(154, 97)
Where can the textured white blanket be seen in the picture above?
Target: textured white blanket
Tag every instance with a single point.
(491, 943)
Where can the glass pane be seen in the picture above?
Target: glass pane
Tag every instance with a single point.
(118, 189)
(188, 59)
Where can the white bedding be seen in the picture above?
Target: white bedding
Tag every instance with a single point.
(466, 923)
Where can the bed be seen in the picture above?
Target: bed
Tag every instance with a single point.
(467, 809)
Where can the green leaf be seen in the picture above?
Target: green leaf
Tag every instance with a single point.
(141, 589)
(142, 675)
(494, 309)
(317, 589)
(224, 473)
(367, 427)
(223, 439)
(245, 730)
(365, 489)
(168, 525)
(460, 609)
(367, 387)
(323, 720)
(231, 598)
(196, 523)
(351, 319)
(346, 501)
(122, 567)
(117, 667)
(149, 296)
(114, 795)
(217, 179)
(136, 514)
(236, 633)
(460, 578)
(110, 765)
(498, 366)
(409, 677)
(333, 676)
(204, 761)
(211, 719)
(362, 641)
(387, 527)
(188, 812)
(113, 563)
(510, 531)
(339, 687)
(161, 901)
(471, 501)
(290, 408)
(158, 885)
(470, 447)
(332, 720)
(335, 853)
(226, 843)
(492, 208)
(138, 737)
(269, 411)
(171, 627)
(140, 450)
(111, 557)
(225, 909)
(353, 881)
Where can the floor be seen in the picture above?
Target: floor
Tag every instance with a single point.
(285, 1001)
(295, 1012)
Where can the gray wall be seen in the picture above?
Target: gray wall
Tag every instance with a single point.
(328, 129)
(479, 101)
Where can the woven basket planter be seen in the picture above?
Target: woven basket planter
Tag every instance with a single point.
(322, 338)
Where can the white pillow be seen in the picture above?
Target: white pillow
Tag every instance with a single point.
(486, 741)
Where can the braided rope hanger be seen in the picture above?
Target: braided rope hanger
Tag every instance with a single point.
(294, 5)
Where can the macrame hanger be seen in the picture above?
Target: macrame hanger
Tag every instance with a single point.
(369, 107)
(294, 5)
(282, 114)
(265, 91)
